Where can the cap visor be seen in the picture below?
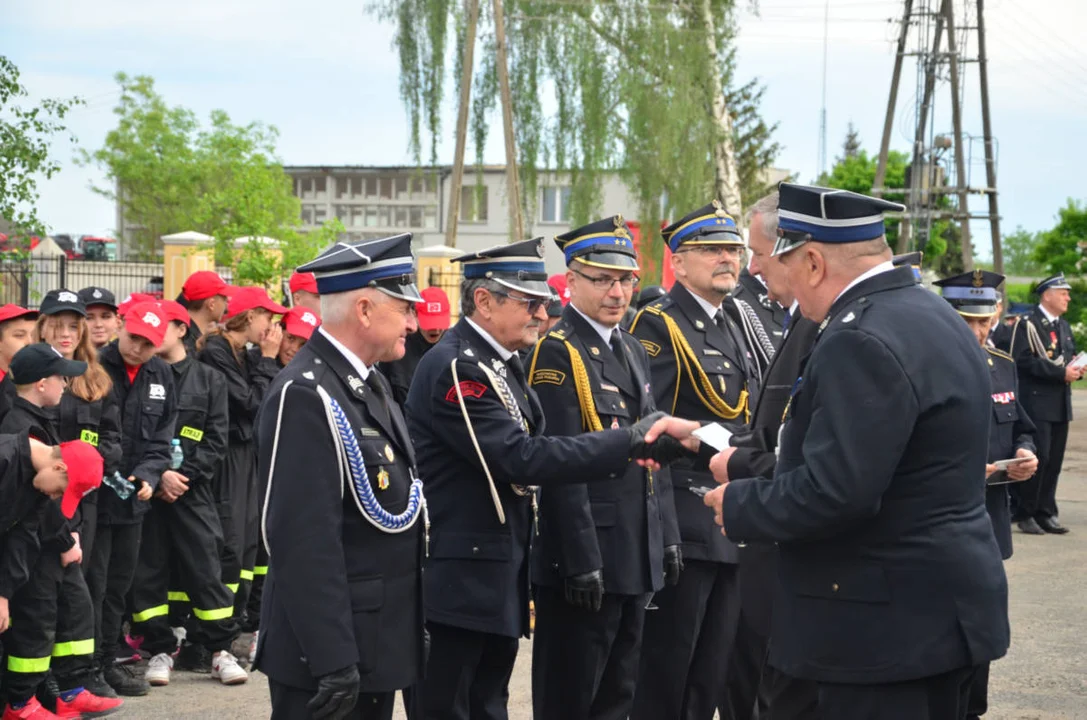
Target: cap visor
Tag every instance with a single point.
(976, 310)
(274, 308)
(609, 260)
(537, 288)
(717, 238)
(785, 245)
(96, 303)
(56, 310)
(300, 329)
(433, 322)
(69, 502)
(402, 292)
(71, 368)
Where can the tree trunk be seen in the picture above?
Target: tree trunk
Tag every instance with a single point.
(726, 178)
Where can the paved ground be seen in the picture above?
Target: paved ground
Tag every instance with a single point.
(1044, 676)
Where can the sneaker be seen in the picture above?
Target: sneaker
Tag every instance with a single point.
(253, 648)
(225, 669)
(125, 681)
(32, 710)
(158, 670)
(181, 634)
(87, 705)
(193, 658)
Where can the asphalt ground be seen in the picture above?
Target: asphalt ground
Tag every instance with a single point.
(1043, 677)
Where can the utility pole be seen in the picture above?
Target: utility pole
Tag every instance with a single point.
(961, 178)
(987, 129)
(892, 101)
(472, 6)
(513, 183)
(916, 197)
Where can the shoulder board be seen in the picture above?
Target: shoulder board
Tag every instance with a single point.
(852, 312)
(467, 352)
(999, 353)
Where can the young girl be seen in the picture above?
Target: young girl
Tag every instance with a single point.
(248, 320)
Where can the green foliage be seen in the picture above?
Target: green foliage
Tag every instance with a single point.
(25, 137)
(1058, 249)
(170, 173)
(1019, 253)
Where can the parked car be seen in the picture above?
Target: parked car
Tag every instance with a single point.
(101, 249)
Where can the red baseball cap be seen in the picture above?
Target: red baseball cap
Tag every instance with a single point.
(84, 473)
(301, 321)
(250, 298)
(148, 320)
(558, 281)
(433, 311)
(10, 312)
(173, 310)
(304, 281)
(134, 299)
(203, 284)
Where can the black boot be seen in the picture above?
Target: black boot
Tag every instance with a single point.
(95, 683)
(124, 680)
(193, 658)
(49, 692)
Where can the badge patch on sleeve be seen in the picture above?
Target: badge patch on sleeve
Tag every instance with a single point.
(553, 377)
(468, 389)
(651, 347)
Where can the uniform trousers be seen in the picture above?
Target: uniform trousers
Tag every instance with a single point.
(181, 542)
(585, 663)
(979, 693)
(938, 697)
(1037, 497)
(745, 691)
(468, 674)
(289, 703)
(109, 578)
(235, 489)
(52, 627)
(687, 643)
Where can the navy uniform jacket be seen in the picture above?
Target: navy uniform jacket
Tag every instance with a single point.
(770, 314)
(620, 525)
(1011, 429)
(888, 566)
(339, 591)
(1045, 394)
(723, 358)
(399, 372)
(1001, 336)
(477, 577)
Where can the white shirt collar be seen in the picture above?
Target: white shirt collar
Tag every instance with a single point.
(794, 308)
(352, 358)
(1048, 316)
(601, 330)
(502, 352)
(870, 273)
(711, 310)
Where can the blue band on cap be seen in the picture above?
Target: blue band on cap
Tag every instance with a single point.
(970, 293)
(724, 225)
(352, 281)
(474, 270)
(600, 244)
(822, 233)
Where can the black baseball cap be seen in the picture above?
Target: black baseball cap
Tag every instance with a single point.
(98, 296)
(41, 360)
(58, 301)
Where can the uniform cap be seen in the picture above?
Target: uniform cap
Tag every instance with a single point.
(173, 310)
(97, 296)
(58, 301)
(204, 284)
(301, 322)
(554, 305)
(10, 312)
(605, 243)
(41, 360)
(911, 260)
(306, 281)
(810, 213)
(518, 266)
(251, 298)
(386, 264)
(84, 465)
(1055, 282)
(433, 311)
(709, 225)
(972, 293)
(147, 320)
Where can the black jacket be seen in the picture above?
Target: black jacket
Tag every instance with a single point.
(1045, 394)
(7, 394)
(247, 381)
(1011, 429)
(339, 591)
(20, 508)
(202, 421)
(148, 412)
(400, 372)
(889, 570)
(621, 525)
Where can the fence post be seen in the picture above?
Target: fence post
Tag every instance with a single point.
(62, 271)
(24, 284)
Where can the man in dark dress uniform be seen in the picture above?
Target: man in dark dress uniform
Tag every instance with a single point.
(700, 370)
(877, 500)
(432, 315)
(1011, 432)
(603, 549)
(344, 522)
(478, 430)
(758, 315)
(1043, 346)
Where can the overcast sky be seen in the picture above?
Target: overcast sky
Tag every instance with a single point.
(326, 75)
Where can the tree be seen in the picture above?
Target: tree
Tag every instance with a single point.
(643, 88)
(1058, 248)
(25, 136)
(169, 173)
(1019, 258)
(851, 146)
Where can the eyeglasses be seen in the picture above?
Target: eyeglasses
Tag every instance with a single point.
(533, 303)
(605, 284)
(714, 250)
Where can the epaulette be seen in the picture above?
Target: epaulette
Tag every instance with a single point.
(465, 352)
(999, 353)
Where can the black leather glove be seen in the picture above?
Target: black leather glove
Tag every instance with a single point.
(673, 564)
(337, 693)
(663, 450)
(586, 590)
(639, 449)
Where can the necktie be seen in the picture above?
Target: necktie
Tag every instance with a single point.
(719, 321)
(785, 323)
(518, 370)
(617, 349)
(373, 381)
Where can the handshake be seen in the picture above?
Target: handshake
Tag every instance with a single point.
(658, 439)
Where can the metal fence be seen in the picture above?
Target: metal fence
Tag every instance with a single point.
(25, 281)
(448, 280)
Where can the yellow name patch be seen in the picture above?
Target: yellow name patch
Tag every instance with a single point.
(191, 433)
(553, 377)
(651, 347)
(89, 436)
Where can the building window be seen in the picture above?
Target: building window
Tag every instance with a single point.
(320, 214)
(320, 187)
(343, 187)
(473, 204)
(555, 204)
(371, 187)
(343, 213)
(307, 214)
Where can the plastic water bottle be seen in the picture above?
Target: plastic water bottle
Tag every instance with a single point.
(176, 455)
(119, 485)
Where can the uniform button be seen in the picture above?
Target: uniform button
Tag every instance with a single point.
(475, 550)
(834, 587)
(612, 475)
